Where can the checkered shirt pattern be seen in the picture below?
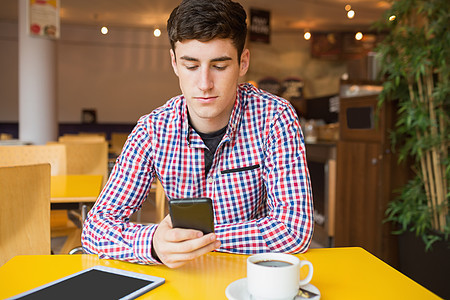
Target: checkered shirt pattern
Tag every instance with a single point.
(259, 180)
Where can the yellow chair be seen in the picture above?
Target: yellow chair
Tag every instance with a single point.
(25, 211)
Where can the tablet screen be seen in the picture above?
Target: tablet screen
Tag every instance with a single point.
(95, 284)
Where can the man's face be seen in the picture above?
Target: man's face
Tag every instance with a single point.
(208, 73)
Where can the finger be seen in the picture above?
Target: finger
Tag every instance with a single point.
(191, 245)
(168, 220)
(193, 242)
(179, 259)
(188, 250)
(168, 241)
(177, 235)
(172, 235)
(187, 256)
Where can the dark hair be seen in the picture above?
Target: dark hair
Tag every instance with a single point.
(205, 20)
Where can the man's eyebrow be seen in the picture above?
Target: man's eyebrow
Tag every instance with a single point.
(218, 59)
(221, 58)
(184, 57)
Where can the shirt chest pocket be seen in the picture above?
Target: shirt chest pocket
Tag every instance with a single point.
(240, 169)
(240, 192)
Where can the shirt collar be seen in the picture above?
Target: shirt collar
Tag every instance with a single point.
(237, 112)
(194, 139)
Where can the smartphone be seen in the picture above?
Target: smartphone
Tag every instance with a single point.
(192, 213)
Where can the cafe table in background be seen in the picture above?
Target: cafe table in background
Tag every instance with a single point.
(339, 273)
(75, 193)
(79, 189)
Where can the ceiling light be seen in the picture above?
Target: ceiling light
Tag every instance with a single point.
(358, 36)
(351, 14)
(104, 30)
(348, 7)
(157, 32)
(307, 35)
(392, 18)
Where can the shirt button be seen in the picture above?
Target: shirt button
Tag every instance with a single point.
(210, 180)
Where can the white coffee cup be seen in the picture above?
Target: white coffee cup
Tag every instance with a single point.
(275, 276)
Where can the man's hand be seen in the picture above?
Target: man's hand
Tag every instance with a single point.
(177, 246)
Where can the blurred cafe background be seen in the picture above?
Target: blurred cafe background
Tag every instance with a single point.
(105, 63)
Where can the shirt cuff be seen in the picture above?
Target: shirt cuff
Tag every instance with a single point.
(143, 245)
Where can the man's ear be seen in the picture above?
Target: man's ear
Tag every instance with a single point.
(173, 60)
(245, 62)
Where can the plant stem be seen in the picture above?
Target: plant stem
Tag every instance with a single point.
(424, 162)
(440, 193)
(444, 152)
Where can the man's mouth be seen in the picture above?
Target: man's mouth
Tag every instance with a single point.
(206, 99)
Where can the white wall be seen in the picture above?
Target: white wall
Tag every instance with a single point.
(127, 73)
(122, 75)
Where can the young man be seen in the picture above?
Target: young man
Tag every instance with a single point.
(240, 146)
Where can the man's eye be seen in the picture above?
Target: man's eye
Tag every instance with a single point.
(220, 67)
(191, 67)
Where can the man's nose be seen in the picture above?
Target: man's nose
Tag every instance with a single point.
(206, 81)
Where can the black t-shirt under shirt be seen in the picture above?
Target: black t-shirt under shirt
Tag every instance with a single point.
(211, 140)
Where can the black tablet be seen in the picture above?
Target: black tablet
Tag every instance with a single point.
(95, 283)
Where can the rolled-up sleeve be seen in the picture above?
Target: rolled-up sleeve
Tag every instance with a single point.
(107, 230)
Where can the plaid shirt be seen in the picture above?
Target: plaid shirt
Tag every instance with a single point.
(259, 181)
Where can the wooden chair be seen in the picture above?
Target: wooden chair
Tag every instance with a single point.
(81, 138)
(25, 211)
(5, 136)
(14, 142)
(160, 202)
(117, 141)
(55, 155)
(84, 156)
(87, 157)
(103, 134)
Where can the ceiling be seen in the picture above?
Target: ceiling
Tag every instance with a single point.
(285, 14)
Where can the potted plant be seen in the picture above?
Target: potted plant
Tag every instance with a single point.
(414, 60)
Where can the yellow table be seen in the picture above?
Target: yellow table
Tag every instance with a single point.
(339, 273)
(75, 189)
(78, 189)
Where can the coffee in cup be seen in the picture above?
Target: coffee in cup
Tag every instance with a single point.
(273, 263)
(275, 276)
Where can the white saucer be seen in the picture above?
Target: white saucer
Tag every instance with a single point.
(237, 290)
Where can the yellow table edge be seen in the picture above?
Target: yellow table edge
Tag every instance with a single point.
(339, 273)
(75, 188)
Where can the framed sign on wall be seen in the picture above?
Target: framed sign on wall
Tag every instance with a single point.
(43, 18)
